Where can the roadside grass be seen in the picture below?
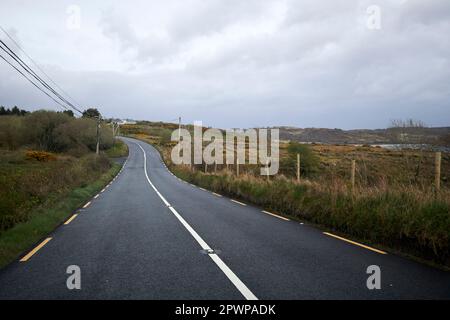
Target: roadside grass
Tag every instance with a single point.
(118, 150)
(394, 205)
(44, 219)
(28, 184)
(416, 224)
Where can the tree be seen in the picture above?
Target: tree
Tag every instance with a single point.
(91, 113)
(15, 111)
(11, 132)
(406, 131)
(40, 128)
(69, 113)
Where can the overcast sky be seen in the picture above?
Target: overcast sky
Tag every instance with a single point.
(239, 63)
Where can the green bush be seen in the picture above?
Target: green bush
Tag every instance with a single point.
(309, 162)
(54, 132)
(26, 186)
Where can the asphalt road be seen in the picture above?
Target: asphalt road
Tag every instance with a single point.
(148, 236)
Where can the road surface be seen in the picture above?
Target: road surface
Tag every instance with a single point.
(150, 235)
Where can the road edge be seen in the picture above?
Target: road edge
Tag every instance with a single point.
(59, 214)
(322, 228)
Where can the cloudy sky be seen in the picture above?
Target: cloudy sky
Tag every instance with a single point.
(239, 63)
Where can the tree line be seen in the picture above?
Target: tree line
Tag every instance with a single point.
(15, 111)
(53, 131)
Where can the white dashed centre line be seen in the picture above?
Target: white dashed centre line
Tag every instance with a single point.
(243, 289)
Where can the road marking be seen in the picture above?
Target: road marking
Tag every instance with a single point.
(103, 190)
(86, 205)
(32, 252)
(216, 194)
(96, 196)
(71, 218)
(243, 289)
(235, 201)
(275, 215)
(355, 243)
(202, 189)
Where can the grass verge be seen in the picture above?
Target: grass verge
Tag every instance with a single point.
(44, 220)
(118, 150)
(402, 219)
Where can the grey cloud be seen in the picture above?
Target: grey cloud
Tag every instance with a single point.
(250, 63)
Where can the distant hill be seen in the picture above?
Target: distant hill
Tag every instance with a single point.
(437, 135)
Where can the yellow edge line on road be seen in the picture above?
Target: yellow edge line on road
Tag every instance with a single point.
(86, 205)
(275, 215)
(235, 201)
(32, 252)
(71, 218)
(355, 243)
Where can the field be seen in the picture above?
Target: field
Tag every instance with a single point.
(394, 204)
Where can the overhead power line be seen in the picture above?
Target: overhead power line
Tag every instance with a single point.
(63, 106)
(37, 65)
(39, 83)
(31, 72)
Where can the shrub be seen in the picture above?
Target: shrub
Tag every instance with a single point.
(53, 132)
(40, 156)
(11, 132)
(309, 162)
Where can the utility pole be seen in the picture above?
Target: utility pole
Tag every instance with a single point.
(97, 150)
(179, 129)
(113, 131)
(179, 136)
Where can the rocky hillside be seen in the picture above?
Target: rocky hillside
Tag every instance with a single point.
(438, 136)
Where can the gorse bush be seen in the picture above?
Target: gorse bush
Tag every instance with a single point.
(40, 155)
(30, 184)
(53, 132)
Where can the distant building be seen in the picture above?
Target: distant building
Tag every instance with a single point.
(127, 121)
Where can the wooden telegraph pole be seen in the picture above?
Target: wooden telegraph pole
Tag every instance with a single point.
(97, 149)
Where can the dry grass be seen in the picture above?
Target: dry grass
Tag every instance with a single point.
(403, 217)
(393, 204)
(26, 184)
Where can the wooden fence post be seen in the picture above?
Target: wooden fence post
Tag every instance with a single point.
(353, 174)
(437, 178)
(298, 167)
